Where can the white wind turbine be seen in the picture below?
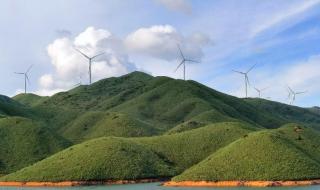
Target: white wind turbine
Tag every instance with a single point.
(26, 77)
(246, 78)
(292, 94)
(260, 91)
(90, 62)
(183, 62)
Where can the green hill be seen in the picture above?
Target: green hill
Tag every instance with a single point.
(305, 116)
(161, 104)
(281, 154)
(24, 141)
(98, 159)
(102, 124)
(9, 107)
(176, 124)
(29, 99)
(134, 158)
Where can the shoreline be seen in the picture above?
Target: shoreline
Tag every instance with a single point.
(241, 183)
(75, 183)
(165, 183)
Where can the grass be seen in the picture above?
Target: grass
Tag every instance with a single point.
(99, 159)
(265, 155)
(166, 105)
(133, 158)
(304, 116)
(102, 124)
(24, 141)
(9, 107)
(29, 99)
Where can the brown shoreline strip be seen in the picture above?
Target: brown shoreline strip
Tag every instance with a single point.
(75, 183)
(240, 183)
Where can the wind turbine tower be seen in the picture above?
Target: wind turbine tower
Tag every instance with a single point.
(183, 63)
(90, 62)
(246, 78)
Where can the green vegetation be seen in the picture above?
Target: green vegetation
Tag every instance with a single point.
(265, 155)
(24, 141)
(98, 159)
(102, 124)
(29, 99)
(139, 126)
(162, 156)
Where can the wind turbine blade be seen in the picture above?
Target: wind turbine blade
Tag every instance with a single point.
(301, 92)
(251, 68)
(247, 79)
(291, 91)
(264, 89)
(189, 60)
(180, 51)
(82, 53)
(256, 89)
(19, 73)
(179, 66)
(28, 79)
(238, 72)
(97, 55)
(29, 68)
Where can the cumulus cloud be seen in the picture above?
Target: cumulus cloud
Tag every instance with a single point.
(70, 64)
(157, 42)
(160, 41)
(176, 5)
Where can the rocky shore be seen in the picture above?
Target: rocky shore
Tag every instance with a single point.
(240, 183)
(76, 183)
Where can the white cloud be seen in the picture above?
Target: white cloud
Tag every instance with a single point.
(284, 15)
(70, 64)
(160, 41)
(177, 5)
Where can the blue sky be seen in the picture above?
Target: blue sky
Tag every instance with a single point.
(281, 37)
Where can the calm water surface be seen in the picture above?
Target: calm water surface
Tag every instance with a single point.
(155, 186)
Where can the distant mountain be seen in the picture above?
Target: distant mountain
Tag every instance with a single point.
(176, 124)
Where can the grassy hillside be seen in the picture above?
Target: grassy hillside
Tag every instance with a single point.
(200, 120)
(98, 159)
(24, 141)
(159, 104)
(197, 121)
(9, 107)
(188, 148)
(134, 158)
(288, 153)
(29, 99)
(95, 124)
(304, 116)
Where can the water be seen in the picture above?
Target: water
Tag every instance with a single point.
(155, 186)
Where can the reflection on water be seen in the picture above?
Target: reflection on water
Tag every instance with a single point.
(155, 186)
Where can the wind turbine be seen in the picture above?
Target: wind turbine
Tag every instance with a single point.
(292, 94)
(246, 78)
(183, 62)
(26, 77)
(90, 62)
(260, 91)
